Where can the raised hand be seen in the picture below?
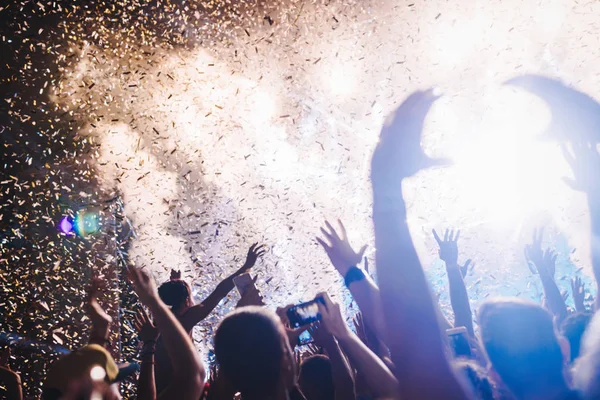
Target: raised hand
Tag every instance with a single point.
(465, 270)
(254, 253)
(145, 327)
(331, 317)
(100, 319)
(338, 248)
(399, 154)
(448, 247)
(578, 290)
(292, 334)
(321, 337)
(544, 262)
(585, 164)
(251, 297)
(143, 284)
(175, 275)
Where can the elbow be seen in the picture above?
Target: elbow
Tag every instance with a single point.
(196, 382)
(194, 377)
(200, 376)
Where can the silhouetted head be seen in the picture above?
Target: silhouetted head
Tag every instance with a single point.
(572, 329)
(521, 344)
(176, 293)
(316, 379)
(254, 353)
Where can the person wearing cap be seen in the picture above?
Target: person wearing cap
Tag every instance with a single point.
(70, 371)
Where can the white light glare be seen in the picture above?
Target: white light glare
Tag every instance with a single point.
(506, 170)
(341, 81)
(264, 106)
(97, 373)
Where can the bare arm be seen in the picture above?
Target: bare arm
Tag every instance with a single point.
(189, 373)
(378, 377)
(148, 333)
(545, 265)
(459, 298)
(200, 311)
(146, 389)
(416, 345)
(343, 380)
(585, 164)
(365, 292)
(100, 319)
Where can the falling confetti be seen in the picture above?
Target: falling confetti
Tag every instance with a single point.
(193, 129)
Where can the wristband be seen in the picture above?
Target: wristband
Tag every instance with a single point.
(354, 274)
(149, 347)
(147, 353)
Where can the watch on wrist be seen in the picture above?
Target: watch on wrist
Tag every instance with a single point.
(354, 274)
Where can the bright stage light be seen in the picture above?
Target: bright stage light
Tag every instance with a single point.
(341, 80)
(505, 170)
(264, 106)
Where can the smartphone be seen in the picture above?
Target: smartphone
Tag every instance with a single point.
(305, 313)
(305, 338)
(243, 282)
(459, 341)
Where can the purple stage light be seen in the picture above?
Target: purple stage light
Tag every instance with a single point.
(66, 226)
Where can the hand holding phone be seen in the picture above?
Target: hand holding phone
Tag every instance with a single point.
(333, 321)
(243, 282)
(459, 341)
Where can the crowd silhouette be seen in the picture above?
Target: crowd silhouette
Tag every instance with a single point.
(400, 346)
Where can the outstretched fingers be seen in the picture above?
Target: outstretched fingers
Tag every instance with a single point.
(343, 230)
(259, 250)
(333, 233)
(456, 236)
(326, 246)
(437, 238)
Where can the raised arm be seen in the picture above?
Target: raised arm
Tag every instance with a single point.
(100, 319)
(545, 266)
(459, 298)
(585, 164)
(378, 377)
(189, 373)
(343, 380)
(414, 335)
(198, 312)
(148, 333)
(361, 286)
